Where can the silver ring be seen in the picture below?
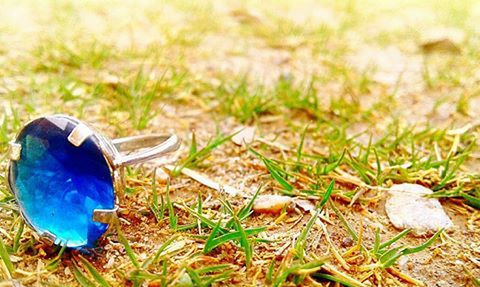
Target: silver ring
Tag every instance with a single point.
(42, 176)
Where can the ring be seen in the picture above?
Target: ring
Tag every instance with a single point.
(65, 175)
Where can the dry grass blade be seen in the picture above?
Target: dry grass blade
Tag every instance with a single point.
(203, 179)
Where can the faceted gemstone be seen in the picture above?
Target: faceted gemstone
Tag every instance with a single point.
(59, 185)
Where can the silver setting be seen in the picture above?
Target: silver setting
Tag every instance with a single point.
(105, 215)
(15, 151)
(79, 134)
(118, 154)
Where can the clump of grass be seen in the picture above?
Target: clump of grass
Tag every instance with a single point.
(204, 277)
(387, 255)
(55, 262)
(197, 156)
(297, 265)
(172, 217)
(243, 102)
(232, 229)
(144, 91)
(158, 211)
(301, 240)
(383, 254)
(53, 55)
(276, 171)
(302, 97)
(297, 177)
(142, 271)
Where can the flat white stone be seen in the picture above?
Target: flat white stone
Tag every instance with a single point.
(407, 207)
(244, 135)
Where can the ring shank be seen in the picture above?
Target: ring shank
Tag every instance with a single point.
(144, 148)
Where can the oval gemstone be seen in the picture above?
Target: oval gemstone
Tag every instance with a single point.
(59, 185)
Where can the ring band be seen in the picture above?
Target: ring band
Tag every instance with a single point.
(66, 176)
(157, 145)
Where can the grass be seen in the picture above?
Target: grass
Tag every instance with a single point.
(344, 101)
(196, 157)
(388, 256)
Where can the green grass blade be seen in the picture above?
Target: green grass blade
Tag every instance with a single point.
(126, 245)
(53, 264)
(18, 236)
(333, 279)
(6, 258)
(277, 176)
(245, 243)
(327, 194)
(423, 246)
(247, 209)
(389, 256)
(376, 244)
(270, 271)
(81, 278)
(95, 274)
(379, 167)
(154, 201)
(172, 217)
(197, 156)
(213, 268)
(282, 277)
(208, 222)
(345, 223)
(157, 254)
(300, 244)
(300, 146)
(332, 166)
(472, 200)
(394, 239)
(234, 235)
(209, 243)
(193, 146)
(218, 278)
(274, 171)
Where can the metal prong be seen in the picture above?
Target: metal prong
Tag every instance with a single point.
(105, 215)
(15, 150)
(79, 134)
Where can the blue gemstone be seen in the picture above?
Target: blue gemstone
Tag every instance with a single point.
(59, 185)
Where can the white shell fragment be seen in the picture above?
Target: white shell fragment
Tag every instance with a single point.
(203, 179)
(244, 135)
(407, 207)
(304, 204)
(271, 203)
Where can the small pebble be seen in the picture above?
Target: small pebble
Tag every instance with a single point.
(271, 203)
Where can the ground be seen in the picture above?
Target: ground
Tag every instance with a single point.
(347, 98)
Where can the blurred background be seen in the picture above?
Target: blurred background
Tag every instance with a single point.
(416, 60)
